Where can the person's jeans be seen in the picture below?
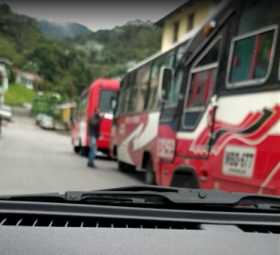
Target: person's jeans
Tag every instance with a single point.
(92, 149)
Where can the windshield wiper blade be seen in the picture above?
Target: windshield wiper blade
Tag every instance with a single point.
(156, 196)
(174, 196)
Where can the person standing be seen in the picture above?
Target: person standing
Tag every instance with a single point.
(93, 133)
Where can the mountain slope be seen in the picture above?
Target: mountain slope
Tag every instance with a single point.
(63, 68)
(18, 34)
(57, 31)
(120, 47)
(68, 66)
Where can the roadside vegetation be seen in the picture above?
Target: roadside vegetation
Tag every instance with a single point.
(18, 95)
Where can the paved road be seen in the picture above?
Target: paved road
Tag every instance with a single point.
(34, 160)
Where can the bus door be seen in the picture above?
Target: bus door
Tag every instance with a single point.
(105, 107)
(168, 123)
(199, 107)
(171, 81)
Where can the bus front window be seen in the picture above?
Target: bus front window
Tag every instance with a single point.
(106, 98)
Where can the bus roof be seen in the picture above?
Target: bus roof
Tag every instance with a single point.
(105, 83)
(112, 84)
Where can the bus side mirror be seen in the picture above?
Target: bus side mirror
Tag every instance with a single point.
(113, 104)
(166, 82)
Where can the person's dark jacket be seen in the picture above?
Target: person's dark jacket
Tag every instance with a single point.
(94, 126)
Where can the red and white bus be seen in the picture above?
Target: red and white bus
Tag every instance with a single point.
(99, 95)
(135, 127)
(227, 131)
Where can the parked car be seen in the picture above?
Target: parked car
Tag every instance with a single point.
(6, 113)
(38, 118)
(45, 121)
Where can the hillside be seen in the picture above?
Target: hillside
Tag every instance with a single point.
(115, 50)
(62, 67)
(68, 66)
(18, 35)
(57, 31)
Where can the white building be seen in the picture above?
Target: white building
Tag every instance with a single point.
(27, 79)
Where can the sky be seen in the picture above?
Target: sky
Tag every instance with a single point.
(104, 14)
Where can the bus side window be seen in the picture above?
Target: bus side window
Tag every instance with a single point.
(154, 82)
(142, 83)
(121, 98)
(202, 81)
(252, 51)
(178, 72)
(251, 58)
(166, 83)
(131, 93)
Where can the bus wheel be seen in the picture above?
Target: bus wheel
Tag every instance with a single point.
(77, 149)
(150, 174)
(184, 180)
(84, 151)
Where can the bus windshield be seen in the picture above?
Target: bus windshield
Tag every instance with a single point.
(106, 99)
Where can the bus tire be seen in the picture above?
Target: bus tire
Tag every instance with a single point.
(84, 151)
(185, 178)
(77, 149)
(149, 173)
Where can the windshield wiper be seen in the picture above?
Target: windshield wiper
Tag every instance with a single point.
(131, 195)
(154, 196)
(174, 197)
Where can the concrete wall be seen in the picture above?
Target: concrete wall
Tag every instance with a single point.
(201, 10)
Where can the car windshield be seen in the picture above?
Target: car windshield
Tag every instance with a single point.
(105, 95)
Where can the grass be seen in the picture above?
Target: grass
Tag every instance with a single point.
(17, 95)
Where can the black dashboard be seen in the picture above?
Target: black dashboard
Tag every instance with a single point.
(28, 240)
(52, 228)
